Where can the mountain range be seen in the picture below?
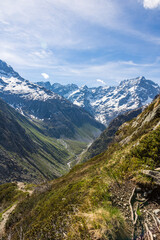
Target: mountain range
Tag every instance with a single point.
(114, 195)
(59, 117)
(41, 133)
(27, 153)
(105, 103)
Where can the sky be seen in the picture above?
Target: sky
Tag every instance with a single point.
(86, 42)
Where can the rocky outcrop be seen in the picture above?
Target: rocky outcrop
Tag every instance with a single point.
(155, 175)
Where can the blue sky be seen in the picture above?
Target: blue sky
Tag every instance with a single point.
(92, 42)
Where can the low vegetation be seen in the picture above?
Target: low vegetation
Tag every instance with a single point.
(28, 152)
(9, 195)
(80, 205)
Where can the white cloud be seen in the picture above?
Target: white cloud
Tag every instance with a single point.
(101, 81)
(102, 12)
(32, 29)
(112, 72)
(45, 75)
(55, 22)
(38, 34)
(151, 4)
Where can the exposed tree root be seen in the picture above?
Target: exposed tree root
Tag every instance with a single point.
(156, 220)
(131, 202)
(134, 215)
(148, 232)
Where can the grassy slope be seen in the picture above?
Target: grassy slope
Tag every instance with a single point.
(57, 152)
(9, 195)
(105, 139)
(30, 152)
(79, 205)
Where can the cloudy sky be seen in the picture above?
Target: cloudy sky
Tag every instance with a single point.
(93, 42)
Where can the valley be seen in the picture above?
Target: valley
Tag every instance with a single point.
(41, 132)
(64, 175)
(80, 120)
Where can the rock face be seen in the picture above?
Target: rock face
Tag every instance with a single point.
(59, 116)
(105, 103)
(153, 174)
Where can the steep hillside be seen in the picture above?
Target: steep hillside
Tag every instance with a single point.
(60, 117)
(105, 103)
(115, 195)
(27, 153)
(12, 135)
(107, 136)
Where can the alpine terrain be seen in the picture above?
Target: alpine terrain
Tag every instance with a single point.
(27, 153)
(80, 120)
(58, 116)
(114, 195)
(105, 103)
(108, 135)
(41, 133)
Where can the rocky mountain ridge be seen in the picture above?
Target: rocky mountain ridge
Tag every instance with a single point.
(105, 103)
(59, 116)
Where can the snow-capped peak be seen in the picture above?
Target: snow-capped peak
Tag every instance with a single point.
(7, 71)
(12, 83)
(106, 102)
(84, 87)
(132, 82)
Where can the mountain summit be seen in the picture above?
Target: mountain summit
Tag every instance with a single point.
(7, 71)
(105, 103)
(58, 116)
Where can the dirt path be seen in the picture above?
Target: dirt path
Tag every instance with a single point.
(22, 187)
(5, 217)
